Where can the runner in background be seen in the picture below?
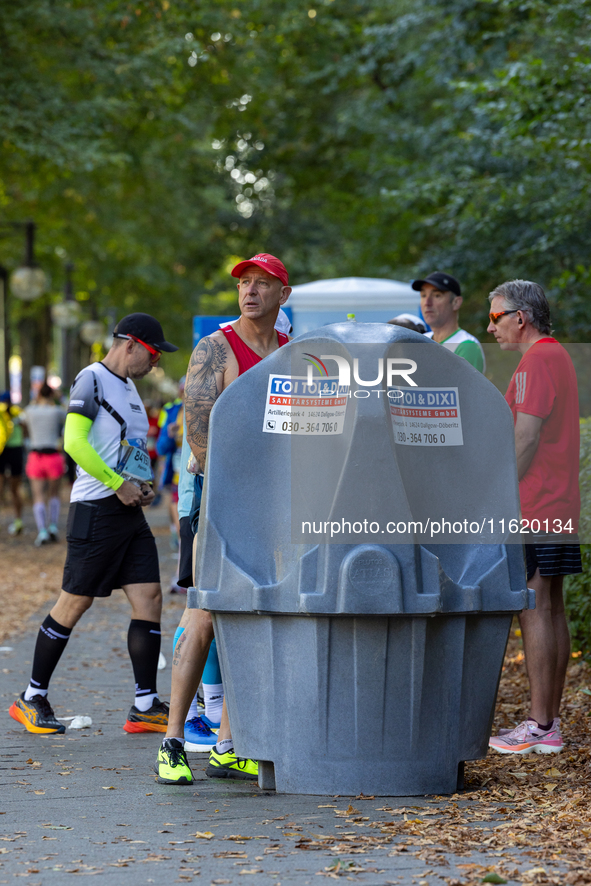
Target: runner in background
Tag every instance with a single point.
(12, 459)
(170, 442)
(166, 447)
(153, 414)
(409, 321)
(45, 465)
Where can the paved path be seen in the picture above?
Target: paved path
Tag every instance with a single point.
(87, 802)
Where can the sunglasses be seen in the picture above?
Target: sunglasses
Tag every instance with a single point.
(153, 351)
(495, 316)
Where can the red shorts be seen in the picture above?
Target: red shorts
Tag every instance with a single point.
(45, 466)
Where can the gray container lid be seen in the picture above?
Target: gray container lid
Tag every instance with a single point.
(262, 484)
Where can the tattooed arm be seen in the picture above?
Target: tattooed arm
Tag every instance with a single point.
(204, 384)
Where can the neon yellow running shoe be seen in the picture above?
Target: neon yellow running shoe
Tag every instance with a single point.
(228, 765)
(171, 765)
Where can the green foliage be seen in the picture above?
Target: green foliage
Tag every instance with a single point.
(578, 605)
(104, 147)
(578, 587)
(391, 151)
(152, 141)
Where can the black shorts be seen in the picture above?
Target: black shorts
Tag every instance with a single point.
(109, 545)
(12, 460)
(553, 555)
(186, 536)
(70, 468)
(188, 531)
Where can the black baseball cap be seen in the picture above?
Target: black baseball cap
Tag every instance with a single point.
(442, 281)
(145, 328)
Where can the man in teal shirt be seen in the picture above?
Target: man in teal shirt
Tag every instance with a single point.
(441, 299)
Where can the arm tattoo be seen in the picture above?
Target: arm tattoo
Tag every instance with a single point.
(202, 388)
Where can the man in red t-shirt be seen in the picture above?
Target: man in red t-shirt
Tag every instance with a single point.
(544, 401)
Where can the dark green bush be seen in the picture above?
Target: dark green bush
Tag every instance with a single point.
(578, 587)
(578, 605)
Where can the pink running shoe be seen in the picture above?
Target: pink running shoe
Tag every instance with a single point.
(555, 726)
(527, 738)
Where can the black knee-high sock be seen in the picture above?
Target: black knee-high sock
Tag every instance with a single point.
(51, 642)
(143, 643)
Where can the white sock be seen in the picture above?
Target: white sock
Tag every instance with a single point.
(225, 746)
(30, 691)
(40, 516)
(213, 694)
(194, 709)
(145, 702)
(54, 510)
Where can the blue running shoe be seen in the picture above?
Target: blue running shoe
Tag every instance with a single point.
(198, 736)
(213, 726)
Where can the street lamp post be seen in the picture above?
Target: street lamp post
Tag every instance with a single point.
(27, 283)
(66, 344)
(66, 315)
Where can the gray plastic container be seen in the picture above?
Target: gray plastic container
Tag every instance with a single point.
(360, 663)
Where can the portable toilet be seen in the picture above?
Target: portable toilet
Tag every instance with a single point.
(359, 551)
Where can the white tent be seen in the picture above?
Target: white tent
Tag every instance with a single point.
(329, 301)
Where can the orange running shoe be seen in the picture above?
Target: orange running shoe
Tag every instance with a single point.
(36, 715)
(155, 719)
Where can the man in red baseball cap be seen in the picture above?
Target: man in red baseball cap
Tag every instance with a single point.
(216, 362)
(266, 262)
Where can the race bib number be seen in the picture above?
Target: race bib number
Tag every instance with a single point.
(134, 461)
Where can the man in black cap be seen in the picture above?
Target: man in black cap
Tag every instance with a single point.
(110, 544)
(441, 299)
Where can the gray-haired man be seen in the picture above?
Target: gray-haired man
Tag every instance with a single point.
(544, 401)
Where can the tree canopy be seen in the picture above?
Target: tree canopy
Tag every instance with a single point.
(156, 141)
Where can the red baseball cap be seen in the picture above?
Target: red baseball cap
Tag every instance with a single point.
(267, 262)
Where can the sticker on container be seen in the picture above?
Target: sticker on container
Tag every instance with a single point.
(426, 416)
(295, 405)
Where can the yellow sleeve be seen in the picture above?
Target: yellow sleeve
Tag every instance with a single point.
(76, 431)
